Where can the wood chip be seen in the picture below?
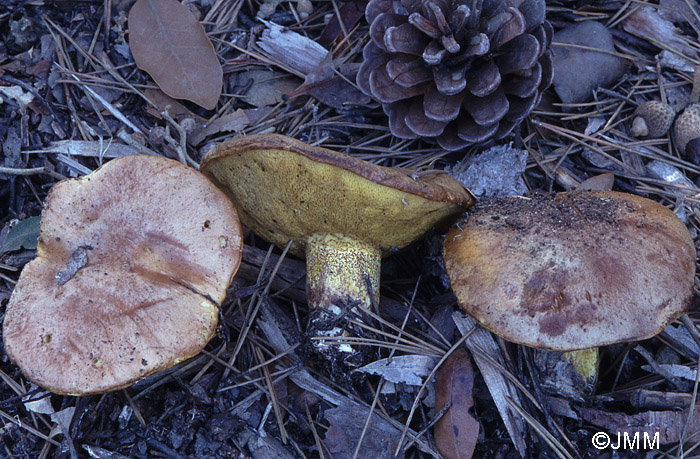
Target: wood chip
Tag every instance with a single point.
(291, 49)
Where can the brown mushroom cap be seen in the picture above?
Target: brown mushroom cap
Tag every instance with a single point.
(132, 262)
(573, 270)
(287, 190)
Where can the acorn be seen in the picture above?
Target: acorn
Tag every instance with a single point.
(652, 119)
(687, 127)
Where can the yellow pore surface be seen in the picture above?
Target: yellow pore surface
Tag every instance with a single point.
(283, 196)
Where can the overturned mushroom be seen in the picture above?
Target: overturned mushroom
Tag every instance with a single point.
(343, 214)
(572, 271)
(132, 263)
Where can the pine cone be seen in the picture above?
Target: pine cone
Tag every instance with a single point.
(459, 72)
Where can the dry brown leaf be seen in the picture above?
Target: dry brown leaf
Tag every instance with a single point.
(174, 108)
(330, 87)
(234, 121)
(264, 87)
(598, 182)
(456, 431)
(171, 45)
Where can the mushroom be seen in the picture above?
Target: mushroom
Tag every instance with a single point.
(132, 263)
(341, 213)
(572, 271)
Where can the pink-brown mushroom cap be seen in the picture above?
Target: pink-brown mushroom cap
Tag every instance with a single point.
(573, 270)
(132, 263)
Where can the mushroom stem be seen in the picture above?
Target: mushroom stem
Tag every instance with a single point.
(339, 269)
(585, 362)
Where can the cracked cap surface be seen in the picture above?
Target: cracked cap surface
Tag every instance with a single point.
(132, 262)
(287, 190)
(572, 270)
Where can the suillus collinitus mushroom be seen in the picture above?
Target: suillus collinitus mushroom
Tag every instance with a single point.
(341, 213)
(572, 271)
(132, 263)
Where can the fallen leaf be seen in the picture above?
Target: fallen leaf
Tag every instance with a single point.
(265, 87)
(40, 405)
(256, 114)
(40, 69)
(346, 425)
(171, 45)
(456, 431)
(23, 234)
(17, 94)
(235, 121)
(331, 86)
(598, 182)
(598, 160)
(407, 369)
(175, 109)
(63, 418)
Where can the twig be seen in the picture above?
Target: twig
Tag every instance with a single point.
(31, 171)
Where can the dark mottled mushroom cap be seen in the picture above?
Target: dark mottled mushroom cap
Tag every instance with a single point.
(573, 270)
(288, 190)
(132, 262)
